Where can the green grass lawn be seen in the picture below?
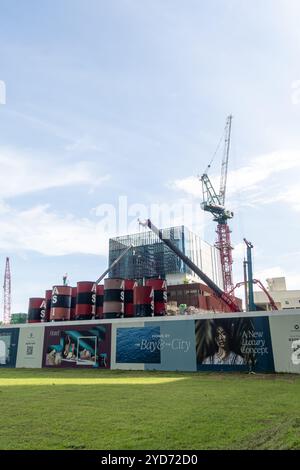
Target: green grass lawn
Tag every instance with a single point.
(95, 409)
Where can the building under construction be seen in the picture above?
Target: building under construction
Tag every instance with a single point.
(152, 258)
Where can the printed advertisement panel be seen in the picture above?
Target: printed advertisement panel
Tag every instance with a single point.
(30, 348)
(138, 345)
(285, 333)
(177, 346)
(234, 344)
(77, 346)
(8, 346)
(168, 345)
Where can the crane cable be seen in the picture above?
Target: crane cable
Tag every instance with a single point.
(215, 153)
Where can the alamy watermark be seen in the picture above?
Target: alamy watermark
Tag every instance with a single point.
(2, 92)
(123, 218)
(295, 92)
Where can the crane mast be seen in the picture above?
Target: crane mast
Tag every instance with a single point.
(224, 168)
(214, 203)
(7, 293)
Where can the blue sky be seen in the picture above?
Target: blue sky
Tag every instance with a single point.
(129, 98)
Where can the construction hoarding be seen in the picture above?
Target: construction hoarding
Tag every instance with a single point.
(256, 342)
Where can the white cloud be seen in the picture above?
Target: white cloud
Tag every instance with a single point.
(250, 180)
(122, 218)
(24, 173)
(84, 144)
(50, 233)
(264, 274)
(292, 278)
(239, 252)
(190, 185)
(291, 197)
(293, 281)
(260, 169)
(40, 230)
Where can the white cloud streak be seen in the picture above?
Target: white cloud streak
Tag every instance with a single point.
(48, 233)
(260, 169)
(250, 180)
(290, 196)
(292, 278)
(82, 145)
(24, 173)
(42, 230)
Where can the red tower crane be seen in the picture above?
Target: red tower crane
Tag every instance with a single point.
(215, 203)
(7, 293)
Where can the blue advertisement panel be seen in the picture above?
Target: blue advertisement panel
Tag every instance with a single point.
(234, 344)
(9, 338)
(161, 345)
(138, 345)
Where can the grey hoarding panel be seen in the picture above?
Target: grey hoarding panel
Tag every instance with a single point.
(177, 346)
(285, 334)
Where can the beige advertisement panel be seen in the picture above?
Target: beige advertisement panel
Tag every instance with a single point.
(285, 334)
(30, 348)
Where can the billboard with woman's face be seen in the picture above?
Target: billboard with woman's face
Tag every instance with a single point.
(234, 344)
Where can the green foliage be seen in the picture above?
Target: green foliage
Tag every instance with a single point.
(94, 409)
(18, 318)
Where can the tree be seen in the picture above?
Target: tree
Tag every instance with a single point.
(18, 318)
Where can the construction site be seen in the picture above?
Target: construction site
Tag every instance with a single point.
(158, 272)
(156, 277)
(149, 221)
